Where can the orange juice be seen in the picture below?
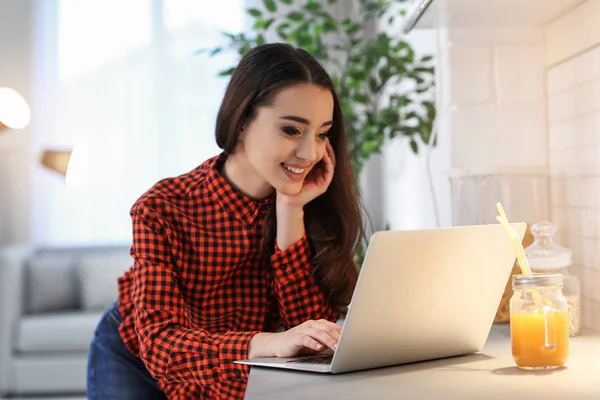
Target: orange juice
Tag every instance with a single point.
(527, 331)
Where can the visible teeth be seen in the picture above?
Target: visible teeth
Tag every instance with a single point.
(294, 170)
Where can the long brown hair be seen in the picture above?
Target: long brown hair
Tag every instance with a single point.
(333, 221)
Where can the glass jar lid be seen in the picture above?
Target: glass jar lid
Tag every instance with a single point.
(537, 280)
(544, 252)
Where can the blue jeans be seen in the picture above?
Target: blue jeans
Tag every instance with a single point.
(113, 372)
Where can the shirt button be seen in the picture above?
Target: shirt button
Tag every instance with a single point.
(237, 373)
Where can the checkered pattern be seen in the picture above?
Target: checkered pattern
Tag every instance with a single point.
(199, 289)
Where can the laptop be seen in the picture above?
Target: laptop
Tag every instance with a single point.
(421, 295)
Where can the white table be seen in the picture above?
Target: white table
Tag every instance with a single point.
(489, 374)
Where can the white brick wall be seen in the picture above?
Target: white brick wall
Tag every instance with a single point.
(518, 79)
(573, 33)
(493, 113)
(494, 96)
(573, 110)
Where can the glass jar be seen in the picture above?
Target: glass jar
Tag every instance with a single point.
(539, 328)
(545, 256)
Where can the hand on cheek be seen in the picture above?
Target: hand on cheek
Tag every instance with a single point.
(316, 182)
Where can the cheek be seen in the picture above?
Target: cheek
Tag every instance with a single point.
(257, 143)
(263, 152)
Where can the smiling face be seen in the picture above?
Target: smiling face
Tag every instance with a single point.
(283, 143)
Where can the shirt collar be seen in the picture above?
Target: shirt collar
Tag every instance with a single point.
(243, 207)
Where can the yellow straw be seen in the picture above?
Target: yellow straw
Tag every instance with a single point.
(514, 240)
(517, 244)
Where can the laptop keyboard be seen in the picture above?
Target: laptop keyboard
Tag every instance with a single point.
(314, 360)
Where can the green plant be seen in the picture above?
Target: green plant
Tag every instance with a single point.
(385, 90)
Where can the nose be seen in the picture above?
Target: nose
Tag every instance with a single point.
(307, 149)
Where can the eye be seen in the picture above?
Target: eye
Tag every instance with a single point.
(323, 136)
(291, 131)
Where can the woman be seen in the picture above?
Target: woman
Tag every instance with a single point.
(248, 255)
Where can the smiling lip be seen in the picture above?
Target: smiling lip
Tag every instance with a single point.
(294, 175)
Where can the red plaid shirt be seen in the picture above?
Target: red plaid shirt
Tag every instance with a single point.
(198, 290)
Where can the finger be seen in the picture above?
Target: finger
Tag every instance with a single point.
(330, 152)
(328, 167)
(310, 343)
(333, 329)
(327, 324)
(323, 337)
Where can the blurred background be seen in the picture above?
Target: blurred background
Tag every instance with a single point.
(452, 105)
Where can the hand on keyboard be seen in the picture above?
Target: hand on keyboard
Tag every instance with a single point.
(307, 338)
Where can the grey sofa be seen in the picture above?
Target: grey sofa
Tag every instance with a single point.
(50, 302)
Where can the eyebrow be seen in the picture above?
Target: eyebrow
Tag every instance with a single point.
(303, 120)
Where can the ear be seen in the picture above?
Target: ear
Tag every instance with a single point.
(243, 131)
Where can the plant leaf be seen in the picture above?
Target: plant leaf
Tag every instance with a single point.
(427, 70)
(282, 30)
(270, 5)
(330, 25)
(373, 85)
(361, 98)
(312, 6)
(296, 16)
(254, 12)
(369, 146)
(352, 28)
(424, 132)
(263, 24)
(227, 72)
(414, 146)
(430, 107)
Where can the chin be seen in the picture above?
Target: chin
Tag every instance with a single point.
(290, 189)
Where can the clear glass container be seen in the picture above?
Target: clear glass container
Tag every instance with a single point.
(539, 328)
(545, 256)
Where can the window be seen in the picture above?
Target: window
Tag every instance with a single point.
(119, 83)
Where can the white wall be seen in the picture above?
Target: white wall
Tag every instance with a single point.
(573, 99)
(495, 86)
(16, 67)
(493, 114)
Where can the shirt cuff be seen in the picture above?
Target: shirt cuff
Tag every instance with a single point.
(293, 259)
(234, 346)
